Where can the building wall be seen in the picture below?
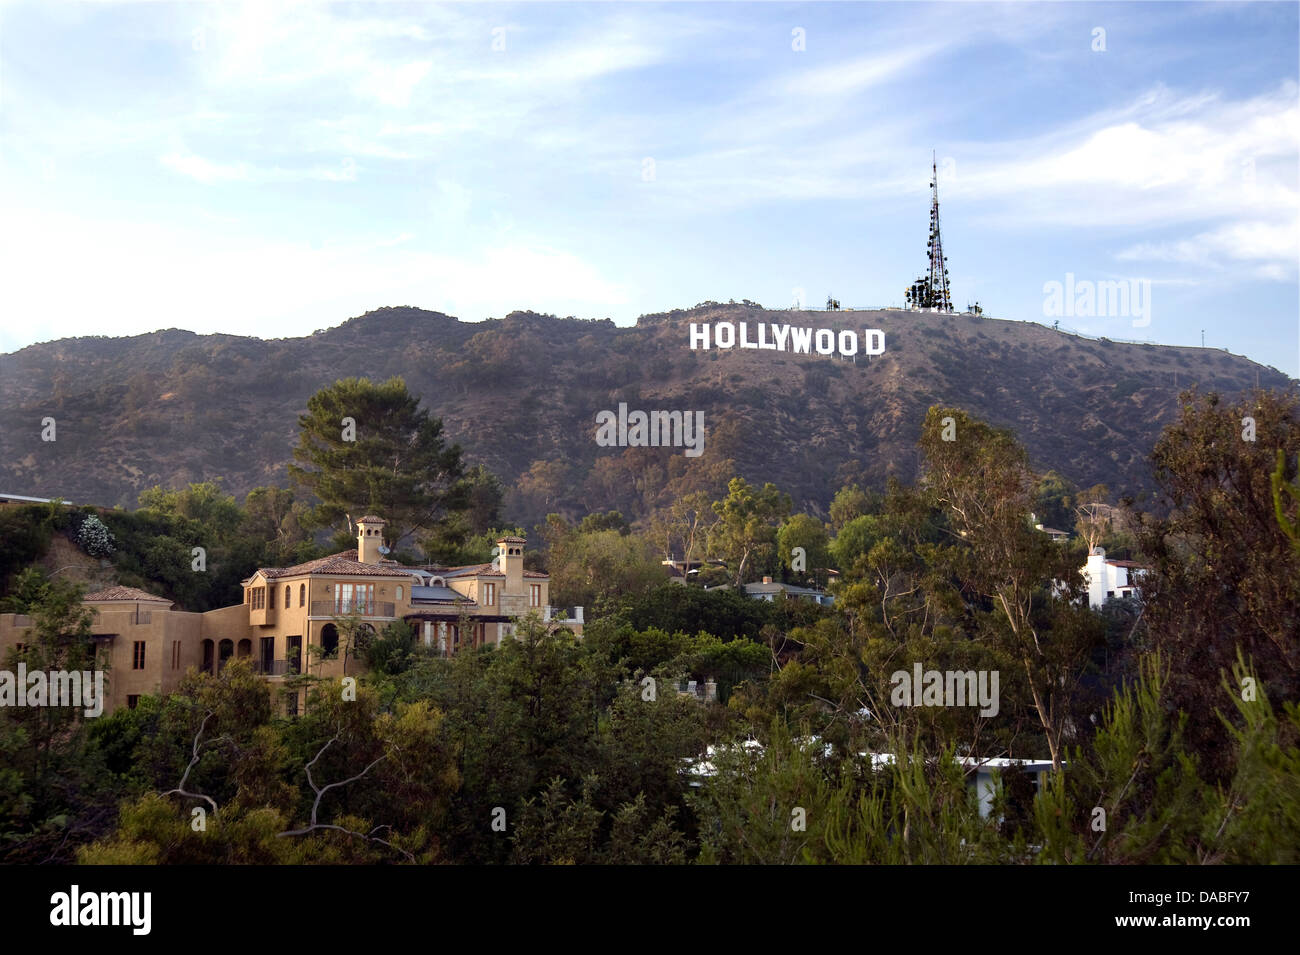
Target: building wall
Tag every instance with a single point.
(161, 629)
(155, 626)
(1103, 578)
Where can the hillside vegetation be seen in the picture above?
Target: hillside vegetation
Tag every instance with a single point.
(520, 394)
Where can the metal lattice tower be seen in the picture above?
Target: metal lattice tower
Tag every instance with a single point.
(932, 291)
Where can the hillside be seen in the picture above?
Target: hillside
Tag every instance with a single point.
(172, 407)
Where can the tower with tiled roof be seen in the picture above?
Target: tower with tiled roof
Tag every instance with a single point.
(370, 538)
(511, 563)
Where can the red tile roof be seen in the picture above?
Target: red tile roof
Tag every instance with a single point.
(344, 562)
(481, 570)
(512, 540)
(122, 593)
(474, 570)
(371, 519)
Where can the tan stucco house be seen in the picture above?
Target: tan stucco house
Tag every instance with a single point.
(288, 611)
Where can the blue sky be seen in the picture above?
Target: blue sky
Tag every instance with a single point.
(274, 168)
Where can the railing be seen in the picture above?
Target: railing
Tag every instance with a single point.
(341, 608)
(274, 667)
(561, 615)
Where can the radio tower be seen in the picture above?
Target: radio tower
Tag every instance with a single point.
(932, 291)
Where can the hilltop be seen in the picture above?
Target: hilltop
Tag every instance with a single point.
(522, 392)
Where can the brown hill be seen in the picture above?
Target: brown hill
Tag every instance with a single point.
(172, 407)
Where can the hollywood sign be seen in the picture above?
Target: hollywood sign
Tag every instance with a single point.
(823, 341)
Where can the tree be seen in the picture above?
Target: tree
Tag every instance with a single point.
(274, 517)
(748, 520)
(684, 530)
(855, 540)
(850, 503)
(809, 534)
(981, 480)
(1224, 573)
(461, 531)
(591, 567)
(1053, 501)
(51, 786)
(541, 489)
(1290, 526)
(95, 538)
(367, 447)
(1094, 517)
(204, 503)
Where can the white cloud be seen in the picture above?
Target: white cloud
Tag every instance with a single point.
(204, 170)
(857, 76)
(127, 277)
(207, 171)
(393, 86)
(1273, 244)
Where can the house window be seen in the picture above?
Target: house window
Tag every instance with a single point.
(489, 595)
(20, 648)
(354, 598)
(176, 654)
(272, 606)
(259, 598)
(534, 595)
(302, 595)
(399, 591)
(132, 700)
(137, 656)
(286, 596)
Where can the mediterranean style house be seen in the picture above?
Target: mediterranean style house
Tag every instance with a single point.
(1110, 578)
(292, 620)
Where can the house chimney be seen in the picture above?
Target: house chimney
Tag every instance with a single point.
(370, 537)
(511, 563)
(767, 580)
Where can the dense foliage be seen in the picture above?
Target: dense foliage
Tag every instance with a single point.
(1170, 727)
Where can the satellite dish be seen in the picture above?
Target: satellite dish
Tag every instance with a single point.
(383, 549)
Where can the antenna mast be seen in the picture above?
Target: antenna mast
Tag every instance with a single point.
(932, 291)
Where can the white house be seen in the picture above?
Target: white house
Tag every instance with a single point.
(1059, 536)
(768, 591)
(1110, 578)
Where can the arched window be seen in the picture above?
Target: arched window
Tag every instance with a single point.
(399, 591)
(287, 605)
(329, 638)
(302, 595)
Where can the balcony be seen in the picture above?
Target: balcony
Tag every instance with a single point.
(561, 615)
(363, 608)
(274, 667)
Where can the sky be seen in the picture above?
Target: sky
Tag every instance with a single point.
(275, 168)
